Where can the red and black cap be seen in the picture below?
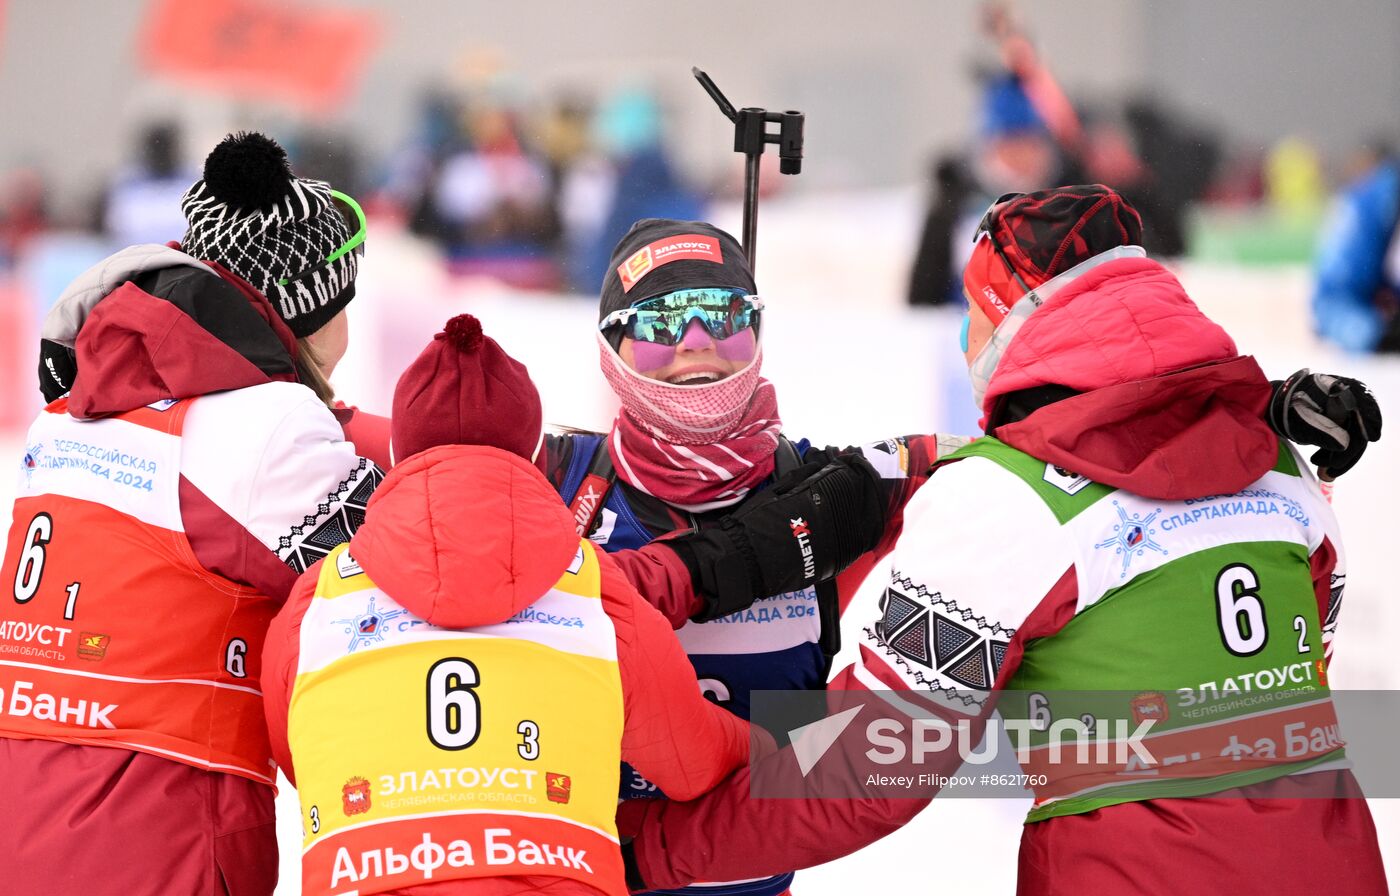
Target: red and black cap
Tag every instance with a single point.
(1035, 237)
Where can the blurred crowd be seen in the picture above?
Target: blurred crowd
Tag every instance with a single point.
(1191, 188)
(536, 200)
(533, 197)
(535, 194)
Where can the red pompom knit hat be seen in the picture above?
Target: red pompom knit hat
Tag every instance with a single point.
(1042, 235)
(465, 390)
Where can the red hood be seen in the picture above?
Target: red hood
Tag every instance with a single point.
(1169, 410)
(464, 535)
(135, 347)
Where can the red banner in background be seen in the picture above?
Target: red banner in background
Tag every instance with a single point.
(260, 49)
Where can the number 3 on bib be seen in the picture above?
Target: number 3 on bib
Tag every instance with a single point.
(454, 710)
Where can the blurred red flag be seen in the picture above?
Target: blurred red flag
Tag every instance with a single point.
(259, 48)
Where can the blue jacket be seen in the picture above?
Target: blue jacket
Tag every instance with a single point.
(778, 643)
(1351, 260)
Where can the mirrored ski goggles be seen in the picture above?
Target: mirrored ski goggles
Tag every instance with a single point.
(984, 228)
(351, 211)
(663, 319)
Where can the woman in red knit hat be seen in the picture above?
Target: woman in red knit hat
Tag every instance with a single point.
(452, 692)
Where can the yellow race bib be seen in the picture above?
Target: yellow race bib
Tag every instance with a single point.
(426, 754)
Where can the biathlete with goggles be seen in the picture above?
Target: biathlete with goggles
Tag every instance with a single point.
(698, 495)
(1128, 545)
(696, 470)
(186, 470)
(543, 669)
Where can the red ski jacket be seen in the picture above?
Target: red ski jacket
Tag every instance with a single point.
(466, 536)
(1165, 408)
(263, 474)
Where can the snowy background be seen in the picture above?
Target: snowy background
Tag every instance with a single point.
(852, 364)
(885, 87)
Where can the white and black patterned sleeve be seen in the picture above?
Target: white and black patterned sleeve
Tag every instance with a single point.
(978, 554)
(275, 459)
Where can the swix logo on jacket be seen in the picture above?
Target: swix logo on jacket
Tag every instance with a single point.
(773, 645)
(80, 667)
(585, 503)
(390, 795)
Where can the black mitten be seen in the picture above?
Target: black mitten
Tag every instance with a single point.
(58, 366)
(805, 528)
(1338, 415)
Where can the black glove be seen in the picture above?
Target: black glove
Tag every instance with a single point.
(803, 529)
(1338, 415)
(58, 366)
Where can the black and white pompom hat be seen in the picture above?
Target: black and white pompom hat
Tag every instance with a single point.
(294, 239)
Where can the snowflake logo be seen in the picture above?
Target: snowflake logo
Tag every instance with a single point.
(30, 463)
(367, 628)
(1132, 537)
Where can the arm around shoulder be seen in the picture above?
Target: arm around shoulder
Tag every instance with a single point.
(662, 579)
(275, 460)
(680, 741)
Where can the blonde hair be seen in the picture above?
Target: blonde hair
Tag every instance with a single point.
(309, 372)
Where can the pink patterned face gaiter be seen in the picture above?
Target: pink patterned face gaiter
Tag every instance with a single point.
(697, 447)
